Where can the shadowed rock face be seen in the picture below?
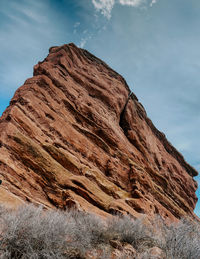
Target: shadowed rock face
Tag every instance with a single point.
(74, 135)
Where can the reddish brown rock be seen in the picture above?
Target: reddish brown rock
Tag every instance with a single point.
(126, 251)
(74, 136)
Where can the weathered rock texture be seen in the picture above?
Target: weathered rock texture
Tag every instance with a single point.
(73, 135)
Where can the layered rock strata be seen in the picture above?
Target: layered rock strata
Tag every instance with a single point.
(75, 135)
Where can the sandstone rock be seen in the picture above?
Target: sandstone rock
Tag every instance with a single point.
(127, 252)
(154, 253)
(74, 135)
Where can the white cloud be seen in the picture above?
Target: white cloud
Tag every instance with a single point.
(153, 2)
(82, 43)
(85, 39)
(31, 11)
(77, 24)
(106, 6)
(133, 3)
(17, 20)
(26, 34)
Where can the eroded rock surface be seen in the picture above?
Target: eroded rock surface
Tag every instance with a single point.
(75, 136)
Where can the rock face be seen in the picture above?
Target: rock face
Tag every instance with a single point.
(75, 136)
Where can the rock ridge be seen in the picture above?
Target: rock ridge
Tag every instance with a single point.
(74, 135)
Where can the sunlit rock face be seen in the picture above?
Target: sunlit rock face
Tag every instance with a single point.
(75, 136)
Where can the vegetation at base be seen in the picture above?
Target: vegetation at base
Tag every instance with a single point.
(34, 233)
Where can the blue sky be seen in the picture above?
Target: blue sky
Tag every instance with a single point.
(154, 44)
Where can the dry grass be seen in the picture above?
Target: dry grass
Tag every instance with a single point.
(32, 233)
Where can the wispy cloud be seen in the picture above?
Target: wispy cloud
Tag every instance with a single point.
(76, 25)
(153, 2)
(86, 37)
(106, 6)
(83, 42)
(32, 11)
(26, 29)
(134, 3)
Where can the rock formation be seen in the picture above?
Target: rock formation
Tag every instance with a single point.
(75, 136)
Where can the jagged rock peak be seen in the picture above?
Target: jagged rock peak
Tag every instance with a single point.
(75, 136)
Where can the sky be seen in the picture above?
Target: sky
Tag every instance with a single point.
(153, 44)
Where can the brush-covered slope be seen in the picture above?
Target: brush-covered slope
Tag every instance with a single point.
(73, 135)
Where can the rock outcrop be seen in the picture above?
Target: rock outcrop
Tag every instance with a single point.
(75, 136)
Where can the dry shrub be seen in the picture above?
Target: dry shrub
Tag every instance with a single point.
(29, 232)
(134, 232)
(32, 233)
(182, 240)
